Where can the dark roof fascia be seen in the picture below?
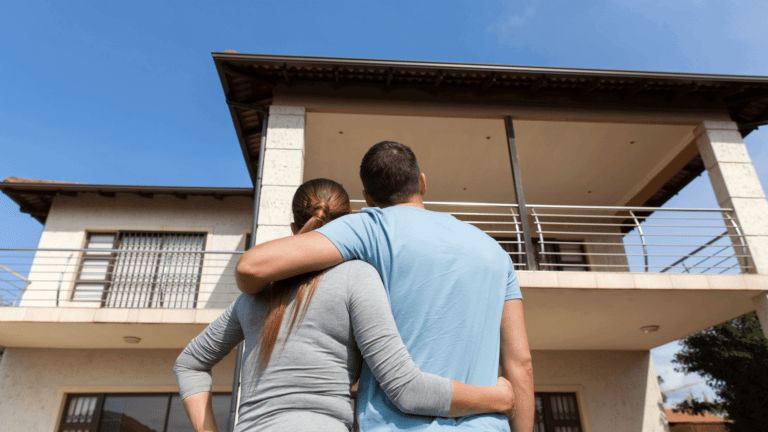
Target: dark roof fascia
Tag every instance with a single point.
(483, 67)
(24, 193)
(236, 121)
(53, 188)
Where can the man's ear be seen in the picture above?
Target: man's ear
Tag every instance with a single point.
(422, 184)
(294, 228)
(368, 200)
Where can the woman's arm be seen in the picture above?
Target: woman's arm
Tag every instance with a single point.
(199, 408)
(194, 364)
(409, 389)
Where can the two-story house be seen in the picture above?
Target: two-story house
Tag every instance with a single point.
(568, 169)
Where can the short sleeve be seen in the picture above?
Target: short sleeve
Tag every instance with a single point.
(353, 235)
(513, 286)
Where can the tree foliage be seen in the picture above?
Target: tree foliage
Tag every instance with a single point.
(733, 357)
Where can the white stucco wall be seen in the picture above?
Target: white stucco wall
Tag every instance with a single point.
(616, 390)
(34, 382)
(225, 221)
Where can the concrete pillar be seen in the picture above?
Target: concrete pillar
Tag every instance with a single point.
(283, 171)
(736, 185)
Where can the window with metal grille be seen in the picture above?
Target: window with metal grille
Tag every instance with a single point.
(137, 269)
(557, 412)
(160, 412)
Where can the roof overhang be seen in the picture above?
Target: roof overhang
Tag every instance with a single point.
(249, 82)
(35, 197)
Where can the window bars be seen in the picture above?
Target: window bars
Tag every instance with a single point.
(123, 270)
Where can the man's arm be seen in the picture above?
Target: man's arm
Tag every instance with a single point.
(199, 408)
(283, 258)
(516, 365)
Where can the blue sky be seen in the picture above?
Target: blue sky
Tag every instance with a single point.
(109, 92)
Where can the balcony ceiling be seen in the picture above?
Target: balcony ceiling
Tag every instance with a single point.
(467, 160)
(251, 81)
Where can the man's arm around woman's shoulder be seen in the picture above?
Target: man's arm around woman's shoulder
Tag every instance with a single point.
(283, 258)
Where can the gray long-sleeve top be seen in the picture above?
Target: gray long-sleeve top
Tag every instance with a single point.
(314, 368)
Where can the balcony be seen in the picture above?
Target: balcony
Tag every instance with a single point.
(109, 298)
(562, 238)
(598, 271)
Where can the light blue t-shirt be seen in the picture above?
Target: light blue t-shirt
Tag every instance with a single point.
(447, 282)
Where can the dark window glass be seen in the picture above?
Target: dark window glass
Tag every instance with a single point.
(178, 421)
(134, 414)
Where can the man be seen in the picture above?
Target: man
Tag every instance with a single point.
(453, 291)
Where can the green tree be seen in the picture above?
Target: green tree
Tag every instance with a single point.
(733, 357)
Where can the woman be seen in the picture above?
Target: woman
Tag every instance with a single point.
(301, 346)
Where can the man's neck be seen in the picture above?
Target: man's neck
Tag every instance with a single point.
(413, 201)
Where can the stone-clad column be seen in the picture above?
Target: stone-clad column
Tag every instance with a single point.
(283, 171)
(737, 186)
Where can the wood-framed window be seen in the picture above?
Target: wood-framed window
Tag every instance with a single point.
(157, 412)
(166, 276)
(556, 412)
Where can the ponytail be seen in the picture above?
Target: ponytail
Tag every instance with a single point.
(315, 203)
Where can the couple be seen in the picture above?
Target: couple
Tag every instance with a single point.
(444, 287)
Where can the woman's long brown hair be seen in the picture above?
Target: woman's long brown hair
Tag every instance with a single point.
(315, 203)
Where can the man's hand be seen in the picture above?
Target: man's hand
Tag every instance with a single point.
(509, 391)
(283, 258)
(516, 365)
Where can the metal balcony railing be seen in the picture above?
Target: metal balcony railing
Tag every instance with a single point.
(563, 238)
(639, 239)
(610, 238)
(120, 278)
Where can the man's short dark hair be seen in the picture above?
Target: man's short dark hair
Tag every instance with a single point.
(390, 173)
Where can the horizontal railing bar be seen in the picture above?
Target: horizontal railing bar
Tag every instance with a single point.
(650, 255)
(625, 216)
(120, 250)
(509, 215)
(165, 292)
(628, 225)
(629, 265)
(191, 284)
(448, 203)
(555, 206)
(655, 209)
(629, 234)
(625, 244)
(492, 222)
